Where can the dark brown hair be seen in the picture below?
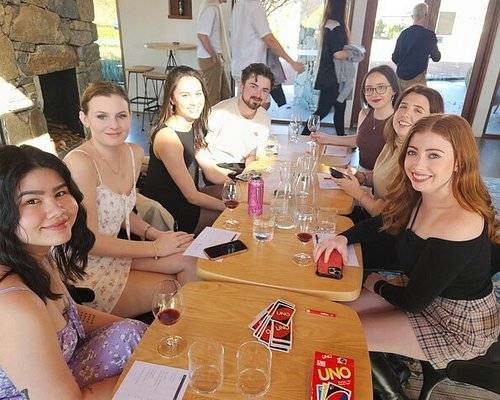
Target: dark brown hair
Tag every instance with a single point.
(391, 77)
(168, 109)
(436, 105)
(467, 186)
(255, 70)
(106, 89)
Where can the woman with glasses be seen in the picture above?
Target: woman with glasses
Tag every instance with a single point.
(414, 103)
(380, 91)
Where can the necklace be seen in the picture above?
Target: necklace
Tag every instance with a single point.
(115, 172)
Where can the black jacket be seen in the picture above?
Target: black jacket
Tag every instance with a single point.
(333, 40)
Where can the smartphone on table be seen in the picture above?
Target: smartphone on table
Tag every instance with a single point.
(225, 249)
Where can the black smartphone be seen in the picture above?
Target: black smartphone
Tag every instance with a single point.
(337, 174)
(225, 249)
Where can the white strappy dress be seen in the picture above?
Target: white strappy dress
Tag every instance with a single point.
(107, 276)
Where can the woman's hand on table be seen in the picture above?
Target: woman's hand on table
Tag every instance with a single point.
(350, 185)
(338, 243)
(172, 242)
(371, 280)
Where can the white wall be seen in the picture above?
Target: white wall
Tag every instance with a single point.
(147, 21)
(490, 81)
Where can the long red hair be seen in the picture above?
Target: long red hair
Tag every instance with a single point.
(467, 186)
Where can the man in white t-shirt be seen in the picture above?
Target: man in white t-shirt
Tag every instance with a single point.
(238, 128)
(213, 50)
(251, 36)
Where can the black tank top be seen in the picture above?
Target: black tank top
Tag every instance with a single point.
(160, 186)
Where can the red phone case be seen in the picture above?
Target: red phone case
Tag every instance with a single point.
(332, 268)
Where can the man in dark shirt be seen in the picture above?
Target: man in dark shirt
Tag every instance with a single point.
(413, 48)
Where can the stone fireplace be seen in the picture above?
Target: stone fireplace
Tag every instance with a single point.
(47, 52)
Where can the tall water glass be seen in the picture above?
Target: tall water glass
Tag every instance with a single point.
(253, 369)
(206, 366)
(326, 220)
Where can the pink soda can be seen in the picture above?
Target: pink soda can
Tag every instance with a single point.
(255, 195)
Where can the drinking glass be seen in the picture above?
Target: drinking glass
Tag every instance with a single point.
(304, 192)
(253, 369)
(293, 133)
(313, 122)
(263, 225)
(230, 198)
(326, 221)
(206, 366)
(167, 308)
(313, 149)
(304, 222)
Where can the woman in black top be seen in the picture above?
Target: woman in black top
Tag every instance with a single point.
(334, 37)
(177, 151)
(440, 218)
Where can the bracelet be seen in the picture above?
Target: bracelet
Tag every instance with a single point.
(146, 232)
(156, 257)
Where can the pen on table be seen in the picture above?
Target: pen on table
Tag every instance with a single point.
(322, 313)
(234, 237)
(327, 178)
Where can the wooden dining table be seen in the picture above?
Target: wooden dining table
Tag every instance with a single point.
(270, 263)
(221, 312)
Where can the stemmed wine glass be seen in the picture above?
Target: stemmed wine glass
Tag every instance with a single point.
(304, 221)
(313, 122)
(230, 198)
(167, 308)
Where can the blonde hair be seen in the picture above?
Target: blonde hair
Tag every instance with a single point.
(467, 186)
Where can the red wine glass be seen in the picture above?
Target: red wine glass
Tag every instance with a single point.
(230, 198)
(167, 308)
(304, 222)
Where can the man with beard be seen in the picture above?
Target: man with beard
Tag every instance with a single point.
(238, 127)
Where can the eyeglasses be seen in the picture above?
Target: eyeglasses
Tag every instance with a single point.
(379, 89)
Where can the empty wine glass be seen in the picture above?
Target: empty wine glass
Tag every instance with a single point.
(167, 308)
(313, 122)
(230, 198)
(304, 222)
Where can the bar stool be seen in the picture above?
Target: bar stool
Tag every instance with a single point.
(137, 70)
(157, 81)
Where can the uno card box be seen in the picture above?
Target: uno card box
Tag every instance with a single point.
(333, 377)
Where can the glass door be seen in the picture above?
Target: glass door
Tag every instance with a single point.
(458, 26)
(493, 121)
(296, 26)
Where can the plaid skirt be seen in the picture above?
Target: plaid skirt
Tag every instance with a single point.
(456, 329)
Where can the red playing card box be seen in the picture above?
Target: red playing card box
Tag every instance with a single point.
(332, 378)
(331, 268)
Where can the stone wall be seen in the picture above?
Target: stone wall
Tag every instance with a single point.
(42, 36)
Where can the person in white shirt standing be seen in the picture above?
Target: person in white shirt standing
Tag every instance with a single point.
(212, 50)
(238, 128)
(250, 36)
